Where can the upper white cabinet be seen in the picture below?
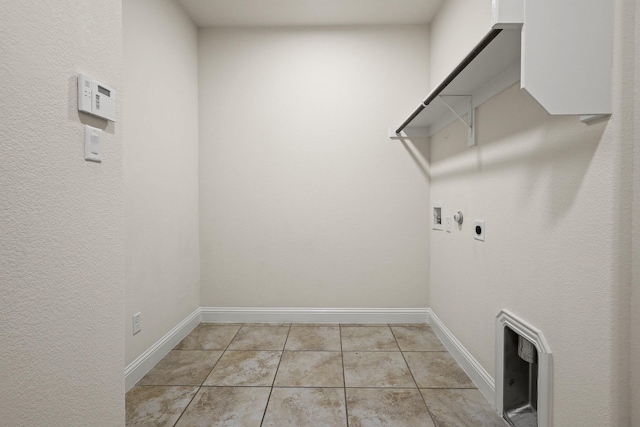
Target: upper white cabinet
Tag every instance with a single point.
(559, 50)
(567, 55)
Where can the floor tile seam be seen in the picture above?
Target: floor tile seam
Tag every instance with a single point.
(165, 385)
(433, 420)
(219, 324)
(324, 325)
(344, 379)
(266, 406)
(255, 349)
(306, 387)
(387, 325)
(187, 405)
(170, 385)
(448, 388)
(235, 386)
(267, 325)
(211, 324)
(363, 325)
(383, 388)
(221, 356)
(309, 386)
(323, 351)
(211, 349)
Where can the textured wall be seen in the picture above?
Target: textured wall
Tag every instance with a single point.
(555, 197)
(160, 169)
(304, 199)
(61, 221)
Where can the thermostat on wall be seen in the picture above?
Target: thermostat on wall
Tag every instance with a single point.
(96, 98)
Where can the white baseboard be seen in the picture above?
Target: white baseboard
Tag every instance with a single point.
(475, 371)
(313, 315)
(147, 360)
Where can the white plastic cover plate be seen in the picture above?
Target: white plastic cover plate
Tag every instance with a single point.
(92, 144)
(438, 219)
(478, 230)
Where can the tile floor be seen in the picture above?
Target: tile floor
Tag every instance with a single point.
(247, 375)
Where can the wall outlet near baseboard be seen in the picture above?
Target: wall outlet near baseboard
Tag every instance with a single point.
(137, 327)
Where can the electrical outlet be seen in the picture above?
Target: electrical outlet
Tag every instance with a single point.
(137, 327)
(479, 230)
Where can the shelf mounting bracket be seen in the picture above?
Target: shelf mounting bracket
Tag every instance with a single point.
(470, 113)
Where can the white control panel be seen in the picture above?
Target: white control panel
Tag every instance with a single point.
(96, 98)
(92, 144)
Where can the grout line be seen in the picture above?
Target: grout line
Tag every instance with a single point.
(223, 353)
(344, 379)
(282, 351)
(264, 414)
(207, 376)
(185, 408)
(414, 379)
(313, 387)
(449, 388)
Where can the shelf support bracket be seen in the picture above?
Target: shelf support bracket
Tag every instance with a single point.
(470, 122)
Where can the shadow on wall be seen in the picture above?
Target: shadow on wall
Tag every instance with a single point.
(418, 149)
(514, 134)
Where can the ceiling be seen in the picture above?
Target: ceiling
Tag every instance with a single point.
(260, 13)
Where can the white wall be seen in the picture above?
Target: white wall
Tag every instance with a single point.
(555, 197)
(160, 169)
(304, 199)
(61, 244)
(456, 29)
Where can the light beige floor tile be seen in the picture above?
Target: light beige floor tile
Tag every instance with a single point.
(461, 408)
(310, 369)
(363, 325)
(372, 407)
(155, 406)
(221, 323)
(437, 370)
(260, 338)
(268, 324)
(303, 325)
(209, 337)
(298, 407)
(226, 407)
(182, 367)
(411, 325)
(245, 368)
(417, 339)
(368, 338)
(321, 338)
(376, 369)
